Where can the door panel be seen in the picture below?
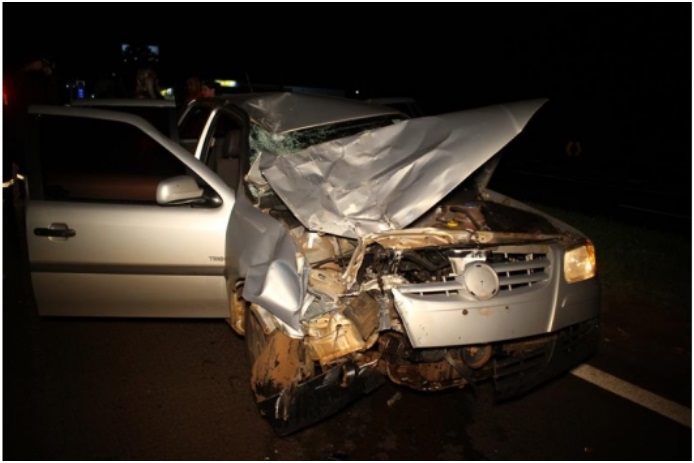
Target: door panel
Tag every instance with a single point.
(123, 295)
(100, 245)
(127, 260)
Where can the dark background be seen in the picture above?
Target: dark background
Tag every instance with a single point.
(619, 81)
(618, 76)
(631, 55)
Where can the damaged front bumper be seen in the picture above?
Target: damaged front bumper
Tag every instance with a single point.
(306, 403)
(533, 361)
(517, 366)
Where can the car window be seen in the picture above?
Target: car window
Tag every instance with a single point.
(192, 126)
(286, 143)
(163, 119)
(223, 147)
(85, 159)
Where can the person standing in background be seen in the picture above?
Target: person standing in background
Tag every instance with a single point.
(209, 88)
(193, 88)
(147, 84)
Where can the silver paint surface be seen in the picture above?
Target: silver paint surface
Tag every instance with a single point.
(371, 183)
(384, 179)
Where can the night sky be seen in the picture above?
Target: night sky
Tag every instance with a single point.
(461, 53)
(618, 74)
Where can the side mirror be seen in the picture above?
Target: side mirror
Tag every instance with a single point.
(182, 189)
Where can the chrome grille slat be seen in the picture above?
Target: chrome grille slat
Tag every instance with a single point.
(521, 270)
(535, 277)
(501, 267)
(433, 287)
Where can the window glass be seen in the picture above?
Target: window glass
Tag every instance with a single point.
(223, 148)
(163, 118)
(92, 159)
(192, 126)
(286, 143)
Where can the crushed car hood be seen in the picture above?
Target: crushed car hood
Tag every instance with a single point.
(384, 179)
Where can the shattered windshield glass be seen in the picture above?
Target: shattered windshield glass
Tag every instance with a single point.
(279, 144)
(285, 143)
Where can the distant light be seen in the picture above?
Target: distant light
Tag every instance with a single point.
(168, 94)
(80, 93)
(226, 83)
(356, 92)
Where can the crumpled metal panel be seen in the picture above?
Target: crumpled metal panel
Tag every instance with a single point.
(266, 256)
(385, 179)
(287, 112)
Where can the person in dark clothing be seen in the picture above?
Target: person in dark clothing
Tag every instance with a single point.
(35, 82)
(209, 88)
(193, 88)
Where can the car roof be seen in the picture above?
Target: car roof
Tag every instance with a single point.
(124, 102)
(288, 112)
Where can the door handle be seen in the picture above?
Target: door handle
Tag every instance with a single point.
(56, 230)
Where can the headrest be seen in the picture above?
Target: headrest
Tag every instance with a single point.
(232, 144)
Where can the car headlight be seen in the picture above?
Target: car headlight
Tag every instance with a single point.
(580, 263)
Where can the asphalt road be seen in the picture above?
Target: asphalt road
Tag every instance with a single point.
(78, 389)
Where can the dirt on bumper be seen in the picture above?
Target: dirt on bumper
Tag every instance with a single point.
(517, 367)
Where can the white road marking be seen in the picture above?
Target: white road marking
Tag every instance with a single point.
(661, 405)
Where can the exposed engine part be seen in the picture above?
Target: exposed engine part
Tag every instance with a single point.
(436, 368)
(468, 216)
(363, 311)
(326, 281)
(460, 368)
(384, 313)
(416, 266)
(332, 336)
(476, 356)
(420, 369)
(318, 247)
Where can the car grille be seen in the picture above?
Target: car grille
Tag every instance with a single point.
(517, 271)
(520, 270)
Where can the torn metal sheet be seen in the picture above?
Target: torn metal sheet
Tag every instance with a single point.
(386, 178)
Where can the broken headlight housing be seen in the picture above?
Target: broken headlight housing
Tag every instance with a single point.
(580, 263)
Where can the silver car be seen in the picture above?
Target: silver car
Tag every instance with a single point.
(346, 242)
